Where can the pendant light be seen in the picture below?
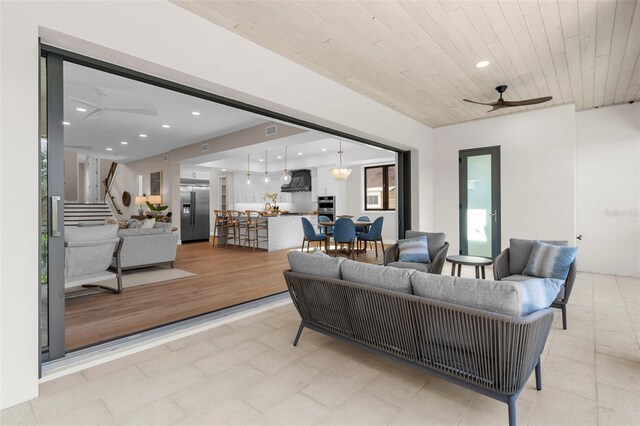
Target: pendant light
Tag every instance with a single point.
(286, 176)
(248, 172)
(340, 173)
(265, 179)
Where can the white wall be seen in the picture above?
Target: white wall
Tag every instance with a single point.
(170, 43)
(537, 151)
(608, 189)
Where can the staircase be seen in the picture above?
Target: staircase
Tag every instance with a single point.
(75, 213)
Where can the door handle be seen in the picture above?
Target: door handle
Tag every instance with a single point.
(495, 216)
(55, 229)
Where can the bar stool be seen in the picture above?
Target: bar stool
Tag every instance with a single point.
(256, 223)
(220, 226)
(237, 223)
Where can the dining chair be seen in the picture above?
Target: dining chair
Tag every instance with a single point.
(361, 229)
(311, 235)
(344, 232)
(329, 229)
(374, 235)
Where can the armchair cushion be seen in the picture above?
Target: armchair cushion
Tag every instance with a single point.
(519, 252)
(550, 261)
(414, 250)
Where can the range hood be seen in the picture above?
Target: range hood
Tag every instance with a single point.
(300, 181)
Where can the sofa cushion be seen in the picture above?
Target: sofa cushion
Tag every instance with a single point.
(550, 261)
(435, 240)
(414, 250)
(423, 267)
(501, 297)
(323, 266)
(519, 252)
(164, 226)
(139, 231)
(384, 277)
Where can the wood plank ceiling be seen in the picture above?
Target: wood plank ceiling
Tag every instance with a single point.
(418, 57)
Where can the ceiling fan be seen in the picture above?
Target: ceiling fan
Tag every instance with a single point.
(100, 108)
(501, 103)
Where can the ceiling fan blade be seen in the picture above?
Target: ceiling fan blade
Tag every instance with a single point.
(481, 103)
(93, 114)
(143, 111)
(497, 106)
(527, 101)
(83, 102)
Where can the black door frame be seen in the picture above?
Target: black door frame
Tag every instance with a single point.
(55, 112)
(463, 156)
(55, 210)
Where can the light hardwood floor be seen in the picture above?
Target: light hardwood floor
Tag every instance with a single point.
(226, 277)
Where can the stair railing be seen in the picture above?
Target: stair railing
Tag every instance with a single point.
(107, 186)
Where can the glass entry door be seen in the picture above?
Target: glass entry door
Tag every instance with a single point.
(480, 202)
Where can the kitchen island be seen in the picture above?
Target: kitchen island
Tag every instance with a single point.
(285, 232)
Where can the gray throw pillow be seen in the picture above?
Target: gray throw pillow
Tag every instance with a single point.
(550, 261)
(519, 252)
(312, 264)
(388, 278)
(414, 250)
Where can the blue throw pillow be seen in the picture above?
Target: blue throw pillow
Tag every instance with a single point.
(539, 293)
(550, 261)
(414, 250)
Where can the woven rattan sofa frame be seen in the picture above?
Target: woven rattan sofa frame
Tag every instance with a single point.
(506, 361)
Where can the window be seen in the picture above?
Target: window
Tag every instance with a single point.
(380, 187)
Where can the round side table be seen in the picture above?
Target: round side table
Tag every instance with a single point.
(477, 261)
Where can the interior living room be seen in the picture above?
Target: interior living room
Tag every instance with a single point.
(415, 212)
(135, 153)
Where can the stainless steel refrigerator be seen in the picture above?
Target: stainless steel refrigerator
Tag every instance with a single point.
(194, 210)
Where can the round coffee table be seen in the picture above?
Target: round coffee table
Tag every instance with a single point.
(477, 261)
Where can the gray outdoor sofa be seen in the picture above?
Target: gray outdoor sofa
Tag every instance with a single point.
(473, 333)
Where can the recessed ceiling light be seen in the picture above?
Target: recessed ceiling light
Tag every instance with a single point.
(299, 153)
(224, 170)
(260, 159)
(81, 109)
(166, 126)
(482, 64)
(109, 149)
(279, 157)
(324, 149)
(124, 143)
(195, 113)
(66, 123)
(142, 135)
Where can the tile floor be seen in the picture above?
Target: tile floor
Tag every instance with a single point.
(247, 372)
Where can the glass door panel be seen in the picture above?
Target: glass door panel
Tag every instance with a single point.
(479, 177)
